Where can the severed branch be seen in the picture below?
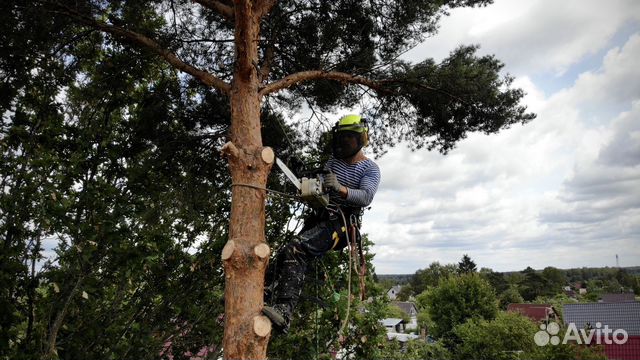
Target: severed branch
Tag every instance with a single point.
(299, 77)
(150, 44)
(225, 10)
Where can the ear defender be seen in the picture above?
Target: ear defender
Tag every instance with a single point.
(365, 134)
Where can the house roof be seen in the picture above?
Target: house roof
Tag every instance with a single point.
(395, 289)
(390, 321)
(624, 316)
(618, 298)
(406, 306)
(570, 293)
(402, 337)
(536, 312)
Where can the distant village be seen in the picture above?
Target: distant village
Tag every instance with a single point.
(604, 301)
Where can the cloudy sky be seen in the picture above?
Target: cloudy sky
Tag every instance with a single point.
(563, 190)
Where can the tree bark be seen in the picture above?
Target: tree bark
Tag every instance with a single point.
(246, 335)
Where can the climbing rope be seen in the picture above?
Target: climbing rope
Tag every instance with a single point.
(351, 238)
(346, 318)
(361, 268)
(352, 258)
(276, 192)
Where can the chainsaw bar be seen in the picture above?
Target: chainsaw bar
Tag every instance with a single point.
(290, 175)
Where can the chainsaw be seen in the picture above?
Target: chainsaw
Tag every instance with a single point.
(310, 189)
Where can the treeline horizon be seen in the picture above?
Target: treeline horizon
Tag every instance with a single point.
(406, 277)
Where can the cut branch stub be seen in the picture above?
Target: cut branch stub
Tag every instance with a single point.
(261, 326)
(228, 249)
(261, 251)
(229, 149)
(268, 156)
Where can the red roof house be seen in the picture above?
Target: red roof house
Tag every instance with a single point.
(535, 312)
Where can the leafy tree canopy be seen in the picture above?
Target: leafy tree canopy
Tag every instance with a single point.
(431, 276)
(457, 299)
(508, 336)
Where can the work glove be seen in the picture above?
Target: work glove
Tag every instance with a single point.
(331, 182)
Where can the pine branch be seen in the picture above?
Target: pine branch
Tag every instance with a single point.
(150, 44)
(225, 10)
(302, 76)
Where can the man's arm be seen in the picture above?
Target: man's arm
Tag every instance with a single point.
(363, 196)
(343, 192)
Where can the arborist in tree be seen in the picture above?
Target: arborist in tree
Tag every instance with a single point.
(352, 182)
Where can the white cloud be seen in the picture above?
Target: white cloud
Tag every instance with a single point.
(616, 82)
(606, 185)
(561, 191)
(533, 36)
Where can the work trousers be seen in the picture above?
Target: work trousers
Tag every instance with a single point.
(317, 238)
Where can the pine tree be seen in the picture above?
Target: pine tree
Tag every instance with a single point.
(283, 54)
(466, 265)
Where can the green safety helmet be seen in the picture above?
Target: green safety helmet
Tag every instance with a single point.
(349, 127)
(352, 123)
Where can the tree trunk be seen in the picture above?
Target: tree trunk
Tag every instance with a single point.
(245, 257)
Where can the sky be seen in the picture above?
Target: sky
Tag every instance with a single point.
(562, 190)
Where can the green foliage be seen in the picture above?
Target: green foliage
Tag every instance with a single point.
(505, 337)
(466, 265)
(555, 279)
(510, 296)
(114, 207)
(430, 104)
(614, 279)
(568, 352)
(424, 321)
(405, 293)
(413, 350)
(390, 280)
(533, 285)
(496, 279)
(424, 279)
(511, 336)
(550, 282)
(457, 299)
(444, 119)
(124, 195)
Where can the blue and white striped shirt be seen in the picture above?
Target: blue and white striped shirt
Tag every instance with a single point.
(361, 180)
